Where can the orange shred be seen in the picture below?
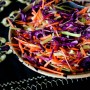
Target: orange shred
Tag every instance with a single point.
(27, 44)
(49, 70)
(83, 11)
(20, 22)
(56, 1)
(55, 60)
(45, 37)
(43, 1)
(83, 51)
(49, 3)
(87, 22)
(74, 49)
(47, 63)
(10, 22)
(21, 48)
(52, 24)
(11, 44)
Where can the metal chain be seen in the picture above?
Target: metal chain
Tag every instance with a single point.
(39, 83)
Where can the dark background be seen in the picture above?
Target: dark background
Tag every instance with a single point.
(13, 70)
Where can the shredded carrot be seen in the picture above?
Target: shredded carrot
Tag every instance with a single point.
(56, 1)
(43, 1)
(37, 18)
(16, 49)
(49, 3)
(85, 41)
(34, 49)
(21, 48)
(34, 12)
(74, 49)
(87, 22)
(78, 61)
(52, 24)
(55, 60)
(40, 16)
(21, 22)
(11, 44)
(62, 49)
(47, 63)
(83, 11)
(27, 44)
(54, 28)
(29, 24)
(25, 49)
(55, 23)
(29, 17)
(57, 33)
(48, 50)
(11, 24)
(45, 37)
(57, 15)
(49, 70)
(83, 51)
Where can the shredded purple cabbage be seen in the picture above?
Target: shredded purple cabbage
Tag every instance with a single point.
(23, 16)
(85, 63)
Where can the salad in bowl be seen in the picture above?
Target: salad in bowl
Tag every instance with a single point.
(53, 38)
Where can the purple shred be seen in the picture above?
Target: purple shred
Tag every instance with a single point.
(4, 48)
(51, 54)
(23, 16)
(45, 58)
(85, 63)
(35, 7)
(32, 59)
(88, 29)
(43, 49)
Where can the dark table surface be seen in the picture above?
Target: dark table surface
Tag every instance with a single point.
(15, 76)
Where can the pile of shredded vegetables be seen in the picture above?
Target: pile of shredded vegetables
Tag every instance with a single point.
(53, 37)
